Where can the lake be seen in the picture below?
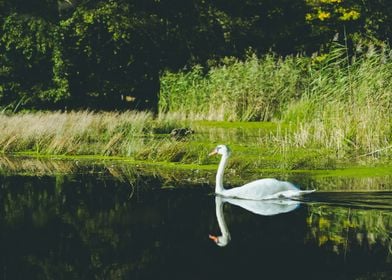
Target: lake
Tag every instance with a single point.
(99, 222)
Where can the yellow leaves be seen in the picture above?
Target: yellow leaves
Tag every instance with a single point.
(349, 15)
(320, 15)
(333, 10)
(323, 15)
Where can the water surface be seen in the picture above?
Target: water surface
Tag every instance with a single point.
(93, 225)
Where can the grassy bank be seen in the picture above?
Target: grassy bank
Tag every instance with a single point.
(141, 137)
(128, 134)
(321, 112)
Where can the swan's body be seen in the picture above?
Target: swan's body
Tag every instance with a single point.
(261, 207)
(257, 190)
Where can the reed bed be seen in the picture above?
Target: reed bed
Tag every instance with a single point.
(330, 101)
(84, 132)
(339, 105)
(254, 89)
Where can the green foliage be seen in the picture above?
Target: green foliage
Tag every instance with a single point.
(116, 41)
(110, 54)
(27, 58)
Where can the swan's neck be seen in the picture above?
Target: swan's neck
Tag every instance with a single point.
(219, 189)
(221, 219)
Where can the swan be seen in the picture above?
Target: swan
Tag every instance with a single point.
(261, 189)
(261, 207)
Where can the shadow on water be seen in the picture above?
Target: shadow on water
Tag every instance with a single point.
(91, 224)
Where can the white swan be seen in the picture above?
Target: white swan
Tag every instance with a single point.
(257, 190)
(261, 207)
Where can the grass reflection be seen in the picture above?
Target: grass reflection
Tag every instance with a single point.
(342, 229)
(83, 225)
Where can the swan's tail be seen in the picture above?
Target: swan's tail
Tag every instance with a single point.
(306, 192)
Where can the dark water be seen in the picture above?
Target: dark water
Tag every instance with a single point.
(91, 226)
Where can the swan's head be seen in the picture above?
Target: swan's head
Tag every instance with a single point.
(220, 149)
(221, 241)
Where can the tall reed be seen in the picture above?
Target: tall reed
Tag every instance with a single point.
(347, 105)
(330, 100)
(254, 89)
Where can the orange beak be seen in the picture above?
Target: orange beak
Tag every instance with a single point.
(214, 152)
(213, 238)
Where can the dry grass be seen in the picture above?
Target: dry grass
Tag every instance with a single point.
(71, 133)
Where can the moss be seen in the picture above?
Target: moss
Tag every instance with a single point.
(236, 164)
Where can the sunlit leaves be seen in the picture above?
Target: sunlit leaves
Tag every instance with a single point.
(334, 10)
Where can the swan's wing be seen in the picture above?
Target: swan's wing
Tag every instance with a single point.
(261, 189)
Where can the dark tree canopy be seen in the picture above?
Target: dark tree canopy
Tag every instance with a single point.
(109, 54)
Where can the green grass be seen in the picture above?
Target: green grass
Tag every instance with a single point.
(140, 137)
(290, 113)
(330, 102)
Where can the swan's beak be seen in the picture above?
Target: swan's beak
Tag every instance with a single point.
(214, 152)
(213, 238)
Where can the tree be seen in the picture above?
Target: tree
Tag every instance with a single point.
(107, 54)
(28, 59)
(112, 56)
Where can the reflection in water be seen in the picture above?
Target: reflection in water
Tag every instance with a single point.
(84, 226)
(134, 174)
(344, 221)
(259, 207)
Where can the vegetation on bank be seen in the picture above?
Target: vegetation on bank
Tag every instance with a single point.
(321, 112)
(141, 137)
(292, 88)
(94, 54)
(331, 101)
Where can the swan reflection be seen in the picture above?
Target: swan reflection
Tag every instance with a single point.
(260, 207)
